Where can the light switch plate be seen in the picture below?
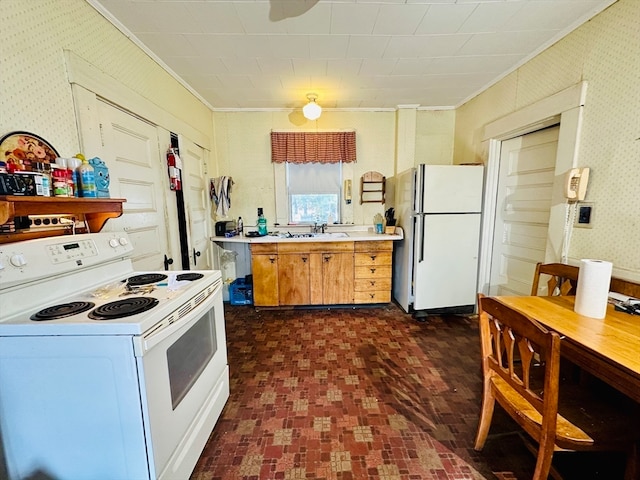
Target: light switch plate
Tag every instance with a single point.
(585, 215)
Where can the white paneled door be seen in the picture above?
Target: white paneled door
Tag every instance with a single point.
(196, 200)
(131, 150)
(525, 183)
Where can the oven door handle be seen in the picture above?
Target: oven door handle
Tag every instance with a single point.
(167, 327)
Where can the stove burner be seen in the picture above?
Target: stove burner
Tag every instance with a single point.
(189, 276)
(62, 310)
(123, 308)
(145, 279)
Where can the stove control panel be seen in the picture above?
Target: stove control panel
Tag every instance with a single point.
(30, 260)
(65, 252)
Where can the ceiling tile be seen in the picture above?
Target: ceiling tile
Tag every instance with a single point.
(444, 18)
(353, 19)
(399, 19)
(215, 17)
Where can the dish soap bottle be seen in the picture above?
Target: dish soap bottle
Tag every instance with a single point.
(262, 223)
(87, 179)
(240, 226)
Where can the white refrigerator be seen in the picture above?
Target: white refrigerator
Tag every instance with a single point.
(435, 266)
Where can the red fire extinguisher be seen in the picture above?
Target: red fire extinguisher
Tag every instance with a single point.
(174, 166)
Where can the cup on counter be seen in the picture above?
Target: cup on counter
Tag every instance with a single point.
(379, 228)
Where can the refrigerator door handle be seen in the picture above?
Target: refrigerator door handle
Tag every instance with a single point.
(420, 232)
(419, 188)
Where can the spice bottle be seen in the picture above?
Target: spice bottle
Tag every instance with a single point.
(44, 169)
(59, 179)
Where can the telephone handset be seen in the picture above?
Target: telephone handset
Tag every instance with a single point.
(347, 191)
(576, 182)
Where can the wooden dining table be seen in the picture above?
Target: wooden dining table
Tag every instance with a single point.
(608, 348)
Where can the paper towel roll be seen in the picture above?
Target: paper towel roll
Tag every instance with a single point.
(593, 288)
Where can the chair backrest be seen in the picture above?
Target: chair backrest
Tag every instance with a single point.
(563, 278)
(625, 287)
(512, 346)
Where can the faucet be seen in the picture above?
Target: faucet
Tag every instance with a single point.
(318, 228)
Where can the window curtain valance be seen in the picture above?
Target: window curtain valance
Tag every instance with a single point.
(308, 147)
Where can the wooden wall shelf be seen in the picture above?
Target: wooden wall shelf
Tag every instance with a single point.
(95, 211)
(372, 188)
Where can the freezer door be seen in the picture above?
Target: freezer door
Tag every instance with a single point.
(446, 260)
(450, 188)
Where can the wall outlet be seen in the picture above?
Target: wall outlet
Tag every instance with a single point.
(585, 215)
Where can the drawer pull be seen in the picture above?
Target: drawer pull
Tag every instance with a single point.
(373, 270)
(304, 259)
(373, 257)
(272, 259)
(372, 295)
(327, 258)
(372, 283)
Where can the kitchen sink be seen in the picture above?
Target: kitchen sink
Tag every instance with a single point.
(330, 235)
(314, 235)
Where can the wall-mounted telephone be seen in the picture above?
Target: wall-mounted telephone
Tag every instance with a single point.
(347, 191)
(575, 187)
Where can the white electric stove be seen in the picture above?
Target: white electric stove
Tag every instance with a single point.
(104, 370)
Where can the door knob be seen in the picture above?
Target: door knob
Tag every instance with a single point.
(167, 261)
(195, 256)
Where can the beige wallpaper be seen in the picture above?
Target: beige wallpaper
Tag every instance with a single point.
(36, 95)
(243, 151)
(605, 52)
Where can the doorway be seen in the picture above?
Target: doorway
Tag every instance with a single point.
(523, 206)
(563, 109)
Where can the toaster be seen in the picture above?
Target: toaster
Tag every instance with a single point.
(224, 227)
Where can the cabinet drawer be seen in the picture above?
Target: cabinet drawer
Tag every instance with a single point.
(257, 248)
(373, 258)
(371, 284)
(376, 296)
(374, 246)
(315, 247)
(373, 271)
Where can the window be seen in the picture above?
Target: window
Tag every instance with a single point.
(314, 192)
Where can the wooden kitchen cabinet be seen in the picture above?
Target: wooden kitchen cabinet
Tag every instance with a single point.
(264, 265)
(321, 273)
(372, 272)
(336, 281)
(315, 273)
(294, 278)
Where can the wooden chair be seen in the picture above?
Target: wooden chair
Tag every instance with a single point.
(564, 281)
(563, 278)
(529, 390)
(625, 287)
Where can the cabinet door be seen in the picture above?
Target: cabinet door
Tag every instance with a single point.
(337, 278)
(265, 280)
(293, 278)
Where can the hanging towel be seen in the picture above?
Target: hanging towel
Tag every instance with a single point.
(220, 193)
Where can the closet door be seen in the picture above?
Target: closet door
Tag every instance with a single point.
(130, 148)
(197, 204)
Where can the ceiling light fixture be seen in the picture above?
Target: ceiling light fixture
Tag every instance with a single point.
(312, 110)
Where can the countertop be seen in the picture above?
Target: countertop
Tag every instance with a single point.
(334, 234)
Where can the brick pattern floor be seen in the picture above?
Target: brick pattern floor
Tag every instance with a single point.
(365, 393)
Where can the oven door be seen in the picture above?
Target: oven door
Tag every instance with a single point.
(185, 385)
